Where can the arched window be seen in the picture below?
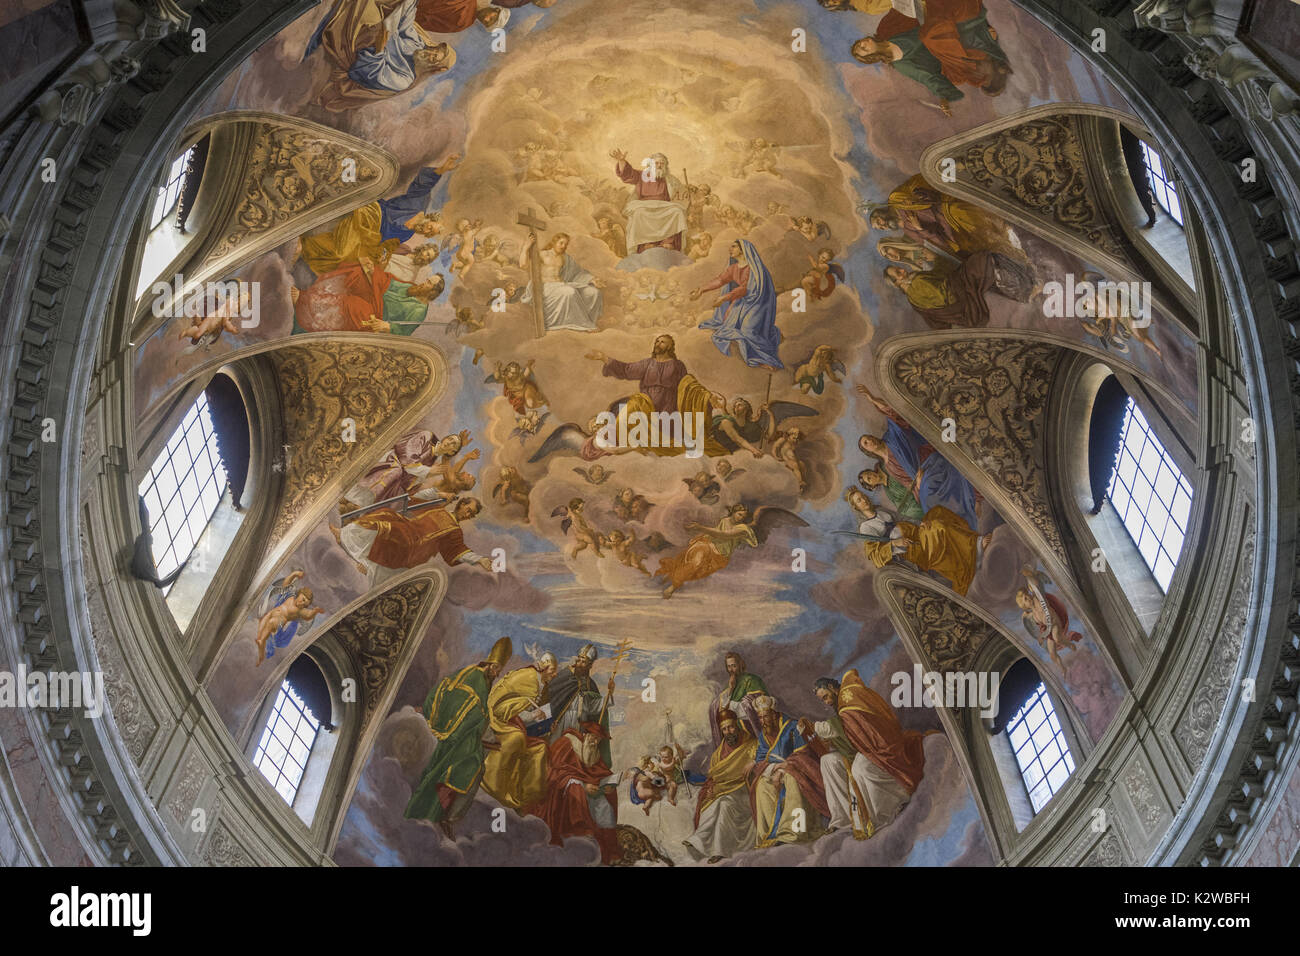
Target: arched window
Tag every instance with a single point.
(287, 741)
(1033, 746)
(183, 487)
(1162, 182)
(296, 745)
(165, 235)
(170, 191)
(1150, 495)
(1040, 747)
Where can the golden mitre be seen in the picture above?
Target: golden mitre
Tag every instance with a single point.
(501, 652)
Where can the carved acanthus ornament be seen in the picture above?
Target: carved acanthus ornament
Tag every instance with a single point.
(289, 171)
(995, 391)
(376, 633)
(1040, 167)
(321, 386)
(949, 634)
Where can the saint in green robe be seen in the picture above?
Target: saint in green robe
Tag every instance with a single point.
(905, 503)
(402, 310)
(748, 684)
(457, 713)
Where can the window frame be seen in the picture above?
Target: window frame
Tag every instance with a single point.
(1163, 189)
(164, 471)
(1144, 485)
(1040, 696)
(286, 702)
(169, 193)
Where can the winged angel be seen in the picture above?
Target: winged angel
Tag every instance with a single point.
(711, 549)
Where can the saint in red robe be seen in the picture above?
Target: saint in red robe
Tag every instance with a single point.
(445, 16)
(343, 300)
(407, 541)
(872, 727)
(566, 809)
(940, 36)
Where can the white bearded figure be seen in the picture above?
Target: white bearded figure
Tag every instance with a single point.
(656, 213)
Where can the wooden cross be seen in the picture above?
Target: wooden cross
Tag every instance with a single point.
(535, 225)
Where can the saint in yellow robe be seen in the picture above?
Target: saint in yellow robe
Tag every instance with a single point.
(353, 236)
(516, 772)
(942, 542)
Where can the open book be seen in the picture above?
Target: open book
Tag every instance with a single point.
(911, 8)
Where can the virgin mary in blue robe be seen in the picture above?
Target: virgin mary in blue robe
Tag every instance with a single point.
(746, 317)
(941, 483)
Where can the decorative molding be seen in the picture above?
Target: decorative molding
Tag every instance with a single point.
(1111, 850)
(222, 849)
(325, 383)
(67, 229)
(294, 167)
(185, 793)
(1033, 169)
(273, 179)
(1251, 232)
(1203, 710)
(949, 634)
(1142, 794)
(376, 633)
(995, 389)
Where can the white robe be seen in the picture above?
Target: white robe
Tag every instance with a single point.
(654, 220)
(884, 795)
(726, 826)
(571, 303)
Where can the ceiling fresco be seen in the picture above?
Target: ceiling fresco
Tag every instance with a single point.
(722, 203)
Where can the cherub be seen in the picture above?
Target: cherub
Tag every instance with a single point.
(819, 281)
(704, 487)
(585, 535)
(784, 450)
(204, 330)
(597, 474)
(623, 545)
(668, 760)
(759, 153)
(465, 321)
(1045, 616)
(448, 474)
(292, 606)
(612, 234)
(511, 487)
(1113, 321)
(648, 784)
(518, 386)
(701, 198)
(496, 250)
(209, 328)
(630, 506)
(468, 231)
(811, 374)
(527, 425)
(699, 245)
(727, 471)
(810, 229)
